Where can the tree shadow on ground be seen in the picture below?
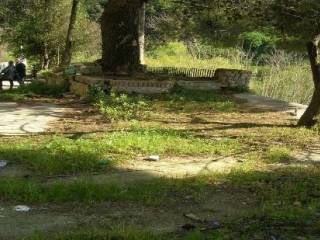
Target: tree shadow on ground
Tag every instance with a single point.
(247, 203)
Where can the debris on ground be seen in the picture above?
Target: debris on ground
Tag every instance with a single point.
(188, 227)
(22, 208)
(153, 158)
(192, 217)
(3, 163)
(211, 225)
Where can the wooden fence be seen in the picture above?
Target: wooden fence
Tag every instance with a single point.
(182, 72)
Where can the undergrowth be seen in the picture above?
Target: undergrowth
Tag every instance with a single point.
(34, 88)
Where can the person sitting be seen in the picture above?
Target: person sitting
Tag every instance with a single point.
(9, 73)
(21, 71)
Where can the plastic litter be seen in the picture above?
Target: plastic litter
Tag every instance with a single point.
(3, 163)
(153, 158)
(192, 217)
(22, 208)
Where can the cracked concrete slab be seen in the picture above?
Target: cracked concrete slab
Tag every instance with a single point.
(268, 104)
(22, 119)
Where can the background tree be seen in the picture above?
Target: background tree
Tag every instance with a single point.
(67, 56)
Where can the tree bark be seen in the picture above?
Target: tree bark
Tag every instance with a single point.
(141, 32)
(67, 55)
(122, 36)
(46, 58)
(308, 119)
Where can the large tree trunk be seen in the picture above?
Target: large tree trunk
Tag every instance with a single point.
(67, 56)
(121, 36)
(308, 119)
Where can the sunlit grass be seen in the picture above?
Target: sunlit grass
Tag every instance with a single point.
(60, 154)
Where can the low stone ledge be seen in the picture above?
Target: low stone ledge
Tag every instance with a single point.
(223, 78)
(232, 78)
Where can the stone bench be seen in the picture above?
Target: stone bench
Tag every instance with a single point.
(80, 85)
(222, 78)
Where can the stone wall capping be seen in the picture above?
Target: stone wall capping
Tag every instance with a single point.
(221, 78)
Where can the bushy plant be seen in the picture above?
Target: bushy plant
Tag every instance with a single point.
(258, 43)
(118, 106)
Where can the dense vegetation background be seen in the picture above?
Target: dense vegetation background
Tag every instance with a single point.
(267, 37)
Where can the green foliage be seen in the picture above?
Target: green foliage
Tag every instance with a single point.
(255, 40)
(125, 234)
(118, 106)
(278, 155)
(115, 234)
(169, 49)
(34, 88)
(63, 155)
(279, 77)
(41, 28)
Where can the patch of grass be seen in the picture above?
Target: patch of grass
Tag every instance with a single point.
(126, 107)
(168, 142)
(287, 197)
(62, 155)
(9, 96)
(125, 234)
(34, 88)
(176, 55)
(153, 193)
(191, 99)
(56, 155)
(278, 154)
(291, 137)
(118, 106)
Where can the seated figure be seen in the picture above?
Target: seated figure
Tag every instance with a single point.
(9, 74)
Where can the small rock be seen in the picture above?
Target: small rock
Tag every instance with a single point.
(213, 225)
(22, 208)
(192, 217)
(297, 203)
(3, 163)
(153, 158)
(188, 197)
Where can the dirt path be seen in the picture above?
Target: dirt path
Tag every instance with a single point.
(221, 204)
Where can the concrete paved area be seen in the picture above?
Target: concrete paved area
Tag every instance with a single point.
(6, 85)
(21, 119)
(260, 103)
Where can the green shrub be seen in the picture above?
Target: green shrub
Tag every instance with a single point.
(257, 39)
(35, 87)
(118, 106)
(169, 49)
(44, 89)
(258, 43)
(278, 155)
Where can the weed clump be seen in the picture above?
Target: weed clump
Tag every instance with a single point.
(118, 106)
(278, 155)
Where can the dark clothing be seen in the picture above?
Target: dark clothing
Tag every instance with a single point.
(21, 71)
(9, 73)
